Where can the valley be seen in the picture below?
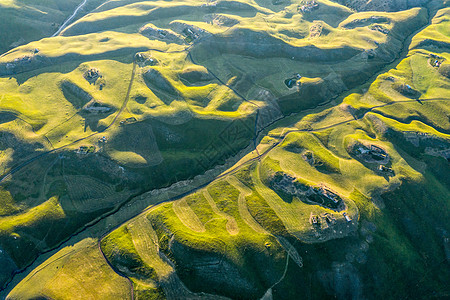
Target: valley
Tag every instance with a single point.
(227, 149)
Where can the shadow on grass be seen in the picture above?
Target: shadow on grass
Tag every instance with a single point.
(69, 62)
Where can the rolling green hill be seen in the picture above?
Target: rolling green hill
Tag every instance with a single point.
(238, 149)
(23, 21)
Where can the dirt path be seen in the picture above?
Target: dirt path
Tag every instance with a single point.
(145, 241)
(127, 97)
(231, 226)
(67, 22)
(386, 67)
(187, 216)
(291, 253)
(221, 176)
(242, 205)
(124, 105)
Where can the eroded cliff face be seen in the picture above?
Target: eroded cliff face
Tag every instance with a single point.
(382, 5)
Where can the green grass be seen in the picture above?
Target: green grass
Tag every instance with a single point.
(325, 160)
(69, 271)
(7, 205)
(222, 239)
(29, 21)
(187, 216)
(264, 215)
(121, 252)
(225, 196)
(190, 248)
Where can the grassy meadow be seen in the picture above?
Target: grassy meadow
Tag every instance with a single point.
(135, 96)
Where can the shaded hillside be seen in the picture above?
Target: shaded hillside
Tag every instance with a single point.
(130, 140)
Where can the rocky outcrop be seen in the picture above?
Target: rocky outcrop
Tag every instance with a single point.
(290, 185)
(165, 35)
(365, 22)
(22, 64)
(258, 44)
(382, 5)
(220, 20)
(95, 107)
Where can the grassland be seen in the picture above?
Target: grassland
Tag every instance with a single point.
(196, 96)
(23, 21)
(69, 276)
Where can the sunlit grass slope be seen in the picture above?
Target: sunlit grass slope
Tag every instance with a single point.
(71, 271)
(138, 95)
(389, 209)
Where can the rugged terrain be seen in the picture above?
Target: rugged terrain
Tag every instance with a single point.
(225, 149)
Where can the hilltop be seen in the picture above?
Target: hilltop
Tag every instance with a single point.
(227, 149)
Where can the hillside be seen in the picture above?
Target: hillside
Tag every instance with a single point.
(227, 149)
(24, 21)
(382, 5)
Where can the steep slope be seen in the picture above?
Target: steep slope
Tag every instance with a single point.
(143, 103)
(382, 5)
(348, 201)
(25, 21)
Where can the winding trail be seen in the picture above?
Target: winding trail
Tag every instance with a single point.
(242, 205)
(232, 170)
(232, 226)
(221, 176)
(122, 108)
(67, 22)
(187, 216)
